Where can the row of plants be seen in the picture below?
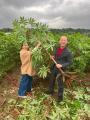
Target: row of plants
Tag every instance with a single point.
(8, 53)
(32, 31)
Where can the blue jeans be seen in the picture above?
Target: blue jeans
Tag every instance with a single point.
(25, 85)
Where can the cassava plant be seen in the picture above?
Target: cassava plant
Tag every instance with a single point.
(32, 32)
(8, 53)
(80, 45)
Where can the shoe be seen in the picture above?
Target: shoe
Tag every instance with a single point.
(22, 96)
(59, 99)
(49, 93)
(29, 94)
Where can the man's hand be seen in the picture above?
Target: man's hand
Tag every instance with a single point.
(58, 65)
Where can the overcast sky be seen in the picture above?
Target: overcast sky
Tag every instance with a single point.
(55, 13)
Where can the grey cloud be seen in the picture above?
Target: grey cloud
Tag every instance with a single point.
(25, 3)
(60, 13)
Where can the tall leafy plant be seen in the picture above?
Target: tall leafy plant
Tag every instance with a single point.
(32, 32)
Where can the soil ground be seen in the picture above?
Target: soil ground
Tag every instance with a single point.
(9, 89)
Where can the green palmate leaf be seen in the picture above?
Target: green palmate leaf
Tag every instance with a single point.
(43, 71)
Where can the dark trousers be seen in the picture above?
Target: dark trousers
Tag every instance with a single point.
(25, 85)
(59, 81)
